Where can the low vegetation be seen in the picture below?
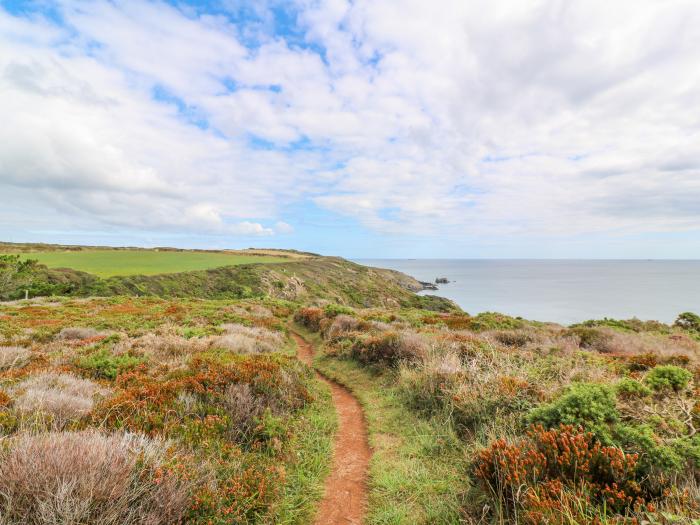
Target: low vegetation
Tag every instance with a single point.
(596, 423)
(132, 411)
(178, 399)
(286, 275)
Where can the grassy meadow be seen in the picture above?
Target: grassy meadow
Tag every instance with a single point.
(109, 263)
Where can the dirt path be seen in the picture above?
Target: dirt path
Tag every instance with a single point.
(345, 498)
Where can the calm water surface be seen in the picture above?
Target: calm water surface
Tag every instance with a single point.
(563, 291)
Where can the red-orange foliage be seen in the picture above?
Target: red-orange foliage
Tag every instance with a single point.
(141, 401)
(310, 318)
(539, 472)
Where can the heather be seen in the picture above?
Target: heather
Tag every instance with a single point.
(197, 411)
(151, 411)
(594, 423)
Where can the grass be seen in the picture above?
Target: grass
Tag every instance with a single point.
(416, 474)
(313, 446)
(108, 263)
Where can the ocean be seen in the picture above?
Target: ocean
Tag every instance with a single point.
(562, 291)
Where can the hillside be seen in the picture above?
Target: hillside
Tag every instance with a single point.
(289, 275)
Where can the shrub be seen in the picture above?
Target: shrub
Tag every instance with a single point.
(248, 340)
(514, 338)
(341, 325)
(656, 459)
(13, 357)
(533, 474)
(588, 405)
(688, 321)
(244, 409)
(628, 387)
(104, 364)
(164, 345)
(64, 397)
(72, 334)
(309, 318)
(642, 362)
(333, 310)
(428, 385)
(89, 477)
(592, 338)
(668, 377)
(389, 348)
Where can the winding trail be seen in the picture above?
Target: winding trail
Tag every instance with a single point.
(345, 498)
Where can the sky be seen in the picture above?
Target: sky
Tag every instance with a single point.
(364, 128)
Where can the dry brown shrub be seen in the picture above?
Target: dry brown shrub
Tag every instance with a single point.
(513, 338)
(89, 477)
(248, 340)
(14, 357)
(260, 312)
(77, 333)
(390, 347)
(168, 345)
(243, 408)
(342, 324)
(64, 397)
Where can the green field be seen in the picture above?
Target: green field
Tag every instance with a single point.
(107, 263)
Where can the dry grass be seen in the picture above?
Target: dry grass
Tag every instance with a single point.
(89, 477)
(341, 325)
(63, 397)
(248, 340)
(77, 333)
(14, 357)
(243, 408)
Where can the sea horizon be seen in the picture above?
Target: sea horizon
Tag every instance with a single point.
(564, 291)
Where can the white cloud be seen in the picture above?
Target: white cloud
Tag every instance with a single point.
(479, 118)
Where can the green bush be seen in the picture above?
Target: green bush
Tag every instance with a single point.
(333, 310)
(688, 321)
(668, 377)
(103, 364)
(655, 458)
(629, 387)
(587, 405)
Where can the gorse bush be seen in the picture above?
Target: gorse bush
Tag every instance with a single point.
(668, 377)
(333, 310)
(630, 388)
(588, 405)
